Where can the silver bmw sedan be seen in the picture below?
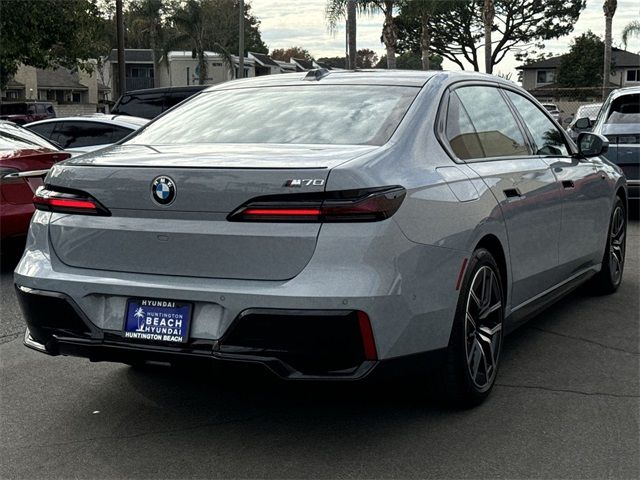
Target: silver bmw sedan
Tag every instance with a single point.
(323, 224)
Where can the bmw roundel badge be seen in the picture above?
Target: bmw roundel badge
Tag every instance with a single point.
(163, 190)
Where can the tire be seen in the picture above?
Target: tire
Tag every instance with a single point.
(473, 354)
(608, 280)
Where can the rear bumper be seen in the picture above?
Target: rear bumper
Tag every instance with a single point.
(293, 344)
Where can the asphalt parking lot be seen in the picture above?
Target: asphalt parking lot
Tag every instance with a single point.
(566, 405)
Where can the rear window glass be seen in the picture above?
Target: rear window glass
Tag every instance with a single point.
(625, 109)
(338, 114)
(146, 106)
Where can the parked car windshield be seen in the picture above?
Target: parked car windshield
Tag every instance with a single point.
(625, 109)
(330, 114)
(21, 138)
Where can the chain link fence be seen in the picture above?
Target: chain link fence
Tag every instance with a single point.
(569, 101)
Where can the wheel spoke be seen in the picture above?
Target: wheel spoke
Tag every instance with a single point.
(483, 326)
(489, 310)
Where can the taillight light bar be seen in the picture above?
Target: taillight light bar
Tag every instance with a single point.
(368, 205)
(67, 202)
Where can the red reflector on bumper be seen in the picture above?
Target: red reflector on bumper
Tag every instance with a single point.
(368, 342)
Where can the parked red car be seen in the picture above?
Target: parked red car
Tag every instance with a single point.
(26, 112)
(24, 159)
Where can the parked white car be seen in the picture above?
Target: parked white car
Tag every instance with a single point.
(87, 133)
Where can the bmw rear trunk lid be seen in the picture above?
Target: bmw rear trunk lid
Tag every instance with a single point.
(189, 234)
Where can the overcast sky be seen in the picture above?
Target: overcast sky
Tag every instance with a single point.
(302, 22)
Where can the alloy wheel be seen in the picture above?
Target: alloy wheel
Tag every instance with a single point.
(617, 244)
(483, 328)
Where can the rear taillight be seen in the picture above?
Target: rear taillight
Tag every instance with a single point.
(67, 202)
(368, 205)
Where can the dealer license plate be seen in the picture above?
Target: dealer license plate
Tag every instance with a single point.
(157, 320)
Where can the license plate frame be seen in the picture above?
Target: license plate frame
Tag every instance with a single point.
(157, 320)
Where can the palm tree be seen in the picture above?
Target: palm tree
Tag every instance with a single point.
(630, 30)
(147, 19)
(188, 20)
(488, 13)
(609, 9)
(335, 11)
(351, 35)
(425, 10)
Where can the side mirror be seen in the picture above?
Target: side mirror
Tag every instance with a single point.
(592, 144)
(583, 123)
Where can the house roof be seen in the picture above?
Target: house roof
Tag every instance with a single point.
(619, 58)
(133, 55)
(302, 63)
(58, 79)
(264, 60)
(13, 84)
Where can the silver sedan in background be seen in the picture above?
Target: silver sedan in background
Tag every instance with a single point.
(87, 133)
(323, 224)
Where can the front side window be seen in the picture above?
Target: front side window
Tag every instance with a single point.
(546, 136)
(495, 129)
(313, 114)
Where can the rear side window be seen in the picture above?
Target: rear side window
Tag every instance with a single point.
(625, 109)
(309, 114)
(484, 125)
(175, 98)
(546, 136)
(147, 106)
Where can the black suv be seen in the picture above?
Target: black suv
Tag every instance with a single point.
(151, 102)
(26, 112)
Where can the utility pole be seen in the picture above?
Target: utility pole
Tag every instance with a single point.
(351, 35)
(241, 42)
(122, 87)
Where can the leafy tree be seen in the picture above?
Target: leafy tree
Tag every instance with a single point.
(365, 58)
(203, 25)
(420, 12)
(336, 9)
(582, 66)
(518, 26)
(146, 18)
(284, 54)
(412, 61)
(38, 35)
(333, 62)
(632, 29)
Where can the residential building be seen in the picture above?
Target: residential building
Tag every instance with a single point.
(539, 78)
(72, 92)
(139, 70)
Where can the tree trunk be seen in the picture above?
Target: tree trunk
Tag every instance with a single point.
(351, 35)
(154, 51)
(425, 40)
(488, 13)
(609, 9)
(122, 74)
(389, 34)
(202, 64)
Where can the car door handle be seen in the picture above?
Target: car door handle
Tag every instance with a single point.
(568, 184)
(512, 193)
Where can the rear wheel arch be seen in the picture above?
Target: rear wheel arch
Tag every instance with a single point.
(492, 244)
